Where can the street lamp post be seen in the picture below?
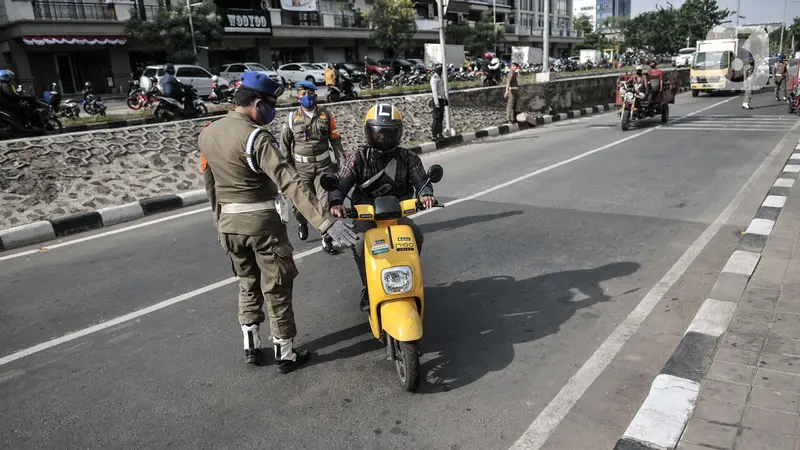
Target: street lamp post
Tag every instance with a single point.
(191, 27)
(783, 26)
(546, 38)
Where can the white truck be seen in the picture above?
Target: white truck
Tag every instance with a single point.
(526, 55)
(433, 55)
(713, 67)
(594, 56)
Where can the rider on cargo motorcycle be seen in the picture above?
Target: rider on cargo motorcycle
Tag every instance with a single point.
(382, 168)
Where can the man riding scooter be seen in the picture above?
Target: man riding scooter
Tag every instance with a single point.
(12, 101)
(171, 87)
(379, 169)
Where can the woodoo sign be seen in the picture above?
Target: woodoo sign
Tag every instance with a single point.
(246, 21)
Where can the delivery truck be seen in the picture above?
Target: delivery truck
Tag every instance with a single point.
(526, 55)
(714, 66)
(593, 56)
(433, 55)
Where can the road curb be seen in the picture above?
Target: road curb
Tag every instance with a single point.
(669, 405)
(62, 226)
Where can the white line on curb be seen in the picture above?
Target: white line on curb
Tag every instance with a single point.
(784, 182)
(790, 168)
(760, 226)
(795, 156)
(665, 411)
(114, 215)
(195, 197)
(774, 201)
(27, 234)
(713, 317)
(742, 262)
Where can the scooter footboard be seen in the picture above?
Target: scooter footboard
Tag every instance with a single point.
(400, 319)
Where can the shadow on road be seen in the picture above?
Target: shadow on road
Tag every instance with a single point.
(479, 321)
(448, 225)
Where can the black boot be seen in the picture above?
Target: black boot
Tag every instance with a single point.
(327, 245)
(284, 349)
(364, 305)
(302, 231)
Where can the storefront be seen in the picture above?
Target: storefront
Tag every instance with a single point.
(70, 61)
(247, 32)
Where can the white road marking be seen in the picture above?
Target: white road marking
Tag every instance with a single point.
(713, 317)
(790, 168)
(189, 295)
(707, 128)
(784, 182)
(548, 420)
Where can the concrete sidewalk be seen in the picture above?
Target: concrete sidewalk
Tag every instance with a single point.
(750, 397)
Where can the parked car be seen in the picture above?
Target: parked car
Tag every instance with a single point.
(294, 72)
(417, 63)
(197, 76)
(234, 71)
(354, 71)
(369, 66)
(397, 65)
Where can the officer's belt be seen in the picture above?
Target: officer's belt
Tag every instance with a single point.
(310, 159)
(234, 208)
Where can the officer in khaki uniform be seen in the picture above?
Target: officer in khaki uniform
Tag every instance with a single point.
(243, 171)
(781, 75)
(311, 142)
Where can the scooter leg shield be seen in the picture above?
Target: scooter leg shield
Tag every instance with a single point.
(400, 319)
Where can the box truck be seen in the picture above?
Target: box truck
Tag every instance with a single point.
(526, 55)
(433, 55)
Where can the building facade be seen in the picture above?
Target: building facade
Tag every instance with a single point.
(586, 8)
(598, 11)
(74, 41)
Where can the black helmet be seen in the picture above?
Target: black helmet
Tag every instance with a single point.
(169, 68)
(383, 126)
(438, 69)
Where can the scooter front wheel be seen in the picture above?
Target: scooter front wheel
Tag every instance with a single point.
(407, 364)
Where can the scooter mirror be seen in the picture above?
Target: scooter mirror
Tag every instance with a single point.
(435, 173)
(329, 182)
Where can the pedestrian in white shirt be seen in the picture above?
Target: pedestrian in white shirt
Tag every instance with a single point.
(439, 102)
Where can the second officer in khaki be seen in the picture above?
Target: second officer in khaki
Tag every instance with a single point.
(243, 171)
(311, 142)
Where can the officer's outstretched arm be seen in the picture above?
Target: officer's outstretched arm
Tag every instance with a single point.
(267, 152)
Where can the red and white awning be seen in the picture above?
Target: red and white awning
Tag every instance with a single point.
(80, 40)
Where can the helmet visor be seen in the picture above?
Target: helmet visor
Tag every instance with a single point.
(383, 138)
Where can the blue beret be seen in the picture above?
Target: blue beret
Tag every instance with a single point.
(305, 84)
(262, 84)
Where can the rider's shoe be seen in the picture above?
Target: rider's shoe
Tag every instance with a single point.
(327, 246)
(302, 231)
(286, 357)
(252, 344)
(364, 305)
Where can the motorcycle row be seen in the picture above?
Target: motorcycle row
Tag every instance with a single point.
(167, 108)
(45, 114)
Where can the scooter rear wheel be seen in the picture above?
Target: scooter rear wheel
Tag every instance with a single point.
(407, 364)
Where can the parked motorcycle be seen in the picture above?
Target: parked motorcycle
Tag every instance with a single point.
(171, 109)
(92, 104)
(62, 108)
(394, 277)
(221, 92)
(43, 121)
(138, 98)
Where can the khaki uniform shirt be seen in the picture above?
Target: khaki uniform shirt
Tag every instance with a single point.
(310, 136)
(242, 163)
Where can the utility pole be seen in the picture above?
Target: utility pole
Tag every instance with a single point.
(444, 65)
(191, 30)
(546, 37)
(738, 16)
(494, 23)
(783, 26)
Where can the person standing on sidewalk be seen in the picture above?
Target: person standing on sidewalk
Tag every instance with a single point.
(512, 94)
(749, 70)
(311, 142)
(781, 72)
(439, 103)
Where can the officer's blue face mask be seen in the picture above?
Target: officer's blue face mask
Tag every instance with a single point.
(266, 113)
(308, 100)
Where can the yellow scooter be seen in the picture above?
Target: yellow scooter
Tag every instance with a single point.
(394, 277)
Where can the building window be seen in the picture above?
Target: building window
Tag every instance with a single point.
(561, 7)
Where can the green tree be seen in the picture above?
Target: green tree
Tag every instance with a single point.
(697, 17)
(170, 29)
(582, 23)
(394, 24)
(477, 39)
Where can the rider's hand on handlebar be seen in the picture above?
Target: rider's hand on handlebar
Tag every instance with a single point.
(427, 201)
(339, 211)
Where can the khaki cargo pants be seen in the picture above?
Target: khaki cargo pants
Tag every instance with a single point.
(266, 271)
(511, 107)
(310, 174)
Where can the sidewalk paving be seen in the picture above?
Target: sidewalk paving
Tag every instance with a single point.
(750, 398)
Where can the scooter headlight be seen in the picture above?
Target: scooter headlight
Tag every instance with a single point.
(397, 280)
(629, 96)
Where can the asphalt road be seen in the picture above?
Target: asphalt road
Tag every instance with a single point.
(525, 282)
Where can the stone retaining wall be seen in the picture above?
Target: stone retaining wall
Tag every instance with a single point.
(69, 173)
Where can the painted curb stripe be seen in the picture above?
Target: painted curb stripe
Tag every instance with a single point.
(742, 263)
(760, 226)
(161, 204)
(75, 223)
(712, 318)
(692, 359)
